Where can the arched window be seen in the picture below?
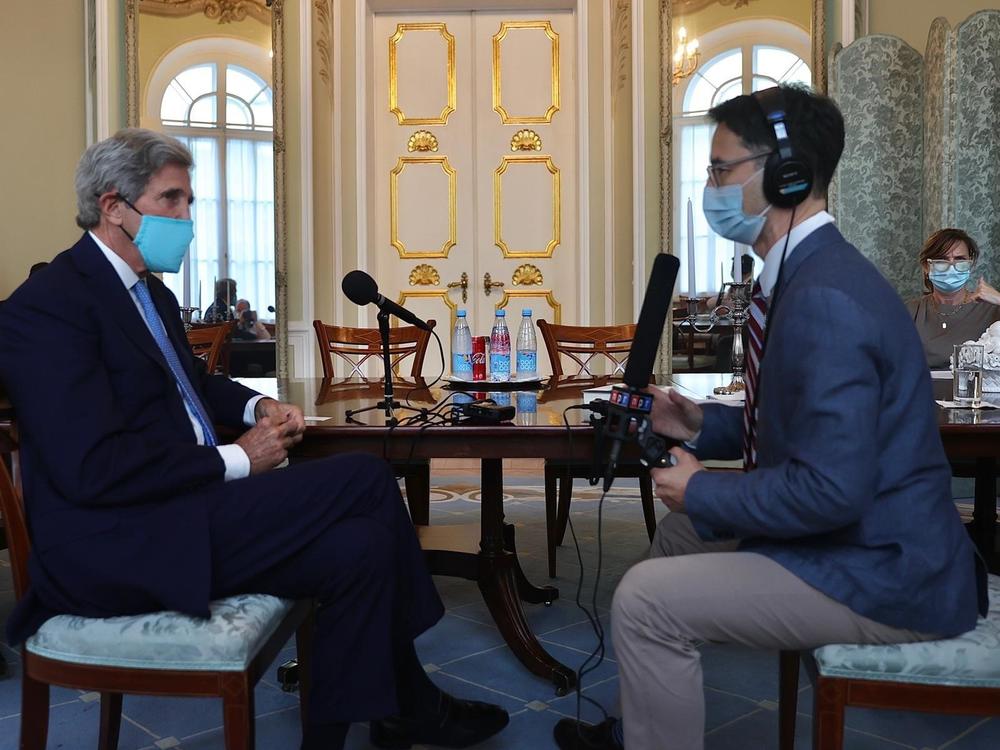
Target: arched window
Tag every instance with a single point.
(739, 59)
(221, 109)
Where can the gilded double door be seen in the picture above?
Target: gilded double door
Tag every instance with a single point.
(474, 165)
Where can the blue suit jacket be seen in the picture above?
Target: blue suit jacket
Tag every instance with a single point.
(110, 462)
(852, 492)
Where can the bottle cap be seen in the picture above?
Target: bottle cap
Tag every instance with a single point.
(460, 313)
(526, 312)
(501, 313)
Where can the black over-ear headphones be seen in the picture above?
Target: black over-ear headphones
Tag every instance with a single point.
(788, 180)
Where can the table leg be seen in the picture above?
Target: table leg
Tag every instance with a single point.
(984, 513)
(528, 591)
(498, 582)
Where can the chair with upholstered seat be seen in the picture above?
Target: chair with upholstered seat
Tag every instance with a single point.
(958, 675)
(209, 343)
(161, 653)
(586, 346)
(353, 347)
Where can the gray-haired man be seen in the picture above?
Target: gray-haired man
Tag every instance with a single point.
(134, 506)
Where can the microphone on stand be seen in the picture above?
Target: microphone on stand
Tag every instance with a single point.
(628, 405)
(361, 289)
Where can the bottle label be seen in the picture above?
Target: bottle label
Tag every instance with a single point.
(527, 362)
(499, 367)
(461, 364)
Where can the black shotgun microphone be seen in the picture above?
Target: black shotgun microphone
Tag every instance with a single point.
(361, 289)
(628, 405)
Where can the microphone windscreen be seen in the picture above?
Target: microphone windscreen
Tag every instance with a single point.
(360, 288)
(652, 318)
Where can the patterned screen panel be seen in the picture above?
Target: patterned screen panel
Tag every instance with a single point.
(879, 86)
(977, 135)
(938, 124)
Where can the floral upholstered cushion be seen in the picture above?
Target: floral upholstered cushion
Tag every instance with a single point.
(227, 641)
(969, 660)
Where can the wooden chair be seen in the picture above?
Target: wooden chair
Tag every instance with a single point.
(582, 344)
(958, 675)
(209, 343)
(162, 653)
(355, 346)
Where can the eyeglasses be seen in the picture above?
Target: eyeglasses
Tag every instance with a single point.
(716, 171)
(942, 266)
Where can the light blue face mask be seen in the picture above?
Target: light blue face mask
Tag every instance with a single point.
(723, 207)
(163, 242)
(949, 281)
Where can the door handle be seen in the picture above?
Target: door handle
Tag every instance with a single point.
(488, 284)
(463, 283)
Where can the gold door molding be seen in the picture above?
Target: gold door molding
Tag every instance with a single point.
(452, 307)
(422, 161)
(544, 294)
(505, 163)
(452, 103)
(505, 117)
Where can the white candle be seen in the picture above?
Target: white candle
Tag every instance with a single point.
(692, 287)
(737, 262)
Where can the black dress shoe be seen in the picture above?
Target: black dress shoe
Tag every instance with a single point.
(571, 734)
(457, 723)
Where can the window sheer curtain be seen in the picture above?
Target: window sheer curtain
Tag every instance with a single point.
(250, 216)
(249, 223)
(201, 265)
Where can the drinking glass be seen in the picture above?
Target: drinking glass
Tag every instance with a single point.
(967, 375)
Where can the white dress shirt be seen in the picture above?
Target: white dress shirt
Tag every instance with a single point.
(772, 262)
(235, 458)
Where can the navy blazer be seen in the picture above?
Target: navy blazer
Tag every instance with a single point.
(113, 478)
(853, 491)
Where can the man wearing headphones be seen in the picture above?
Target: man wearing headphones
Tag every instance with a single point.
(842, 528)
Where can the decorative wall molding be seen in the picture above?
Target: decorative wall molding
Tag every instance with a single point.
(98, 23)
(224, 11)
(818, 36)
(621, 43)
(666, 170)
(683, 7)
(323, 32)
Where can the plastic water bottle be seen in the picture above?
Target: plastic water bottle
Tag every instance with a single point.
(500, 349)
(461, 348)
(527, 348)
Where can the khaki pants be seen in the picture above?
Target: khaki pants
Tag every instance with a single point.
(691, 590)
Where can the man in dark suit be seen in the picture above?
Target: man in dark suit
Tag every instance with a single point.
(842, 529)
(132, 504)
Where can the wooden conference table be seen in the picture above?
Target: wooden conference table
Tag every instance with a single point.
(486, 552)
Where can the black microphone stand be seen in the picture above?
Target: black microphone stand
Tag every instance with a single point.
(388, 403)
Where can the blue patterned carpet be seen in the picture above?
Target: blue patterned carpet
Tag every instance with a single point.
(467, 657)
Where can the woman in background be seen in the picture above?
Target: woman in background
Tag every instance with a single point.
(949, 313)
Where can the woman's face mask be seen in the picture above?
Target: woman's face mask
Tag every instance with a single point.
(723, 207)
(949, 281)
(163, 242)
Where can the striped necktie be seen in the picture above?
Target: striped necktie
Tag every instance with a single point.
(191, 400)
(756, 322)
